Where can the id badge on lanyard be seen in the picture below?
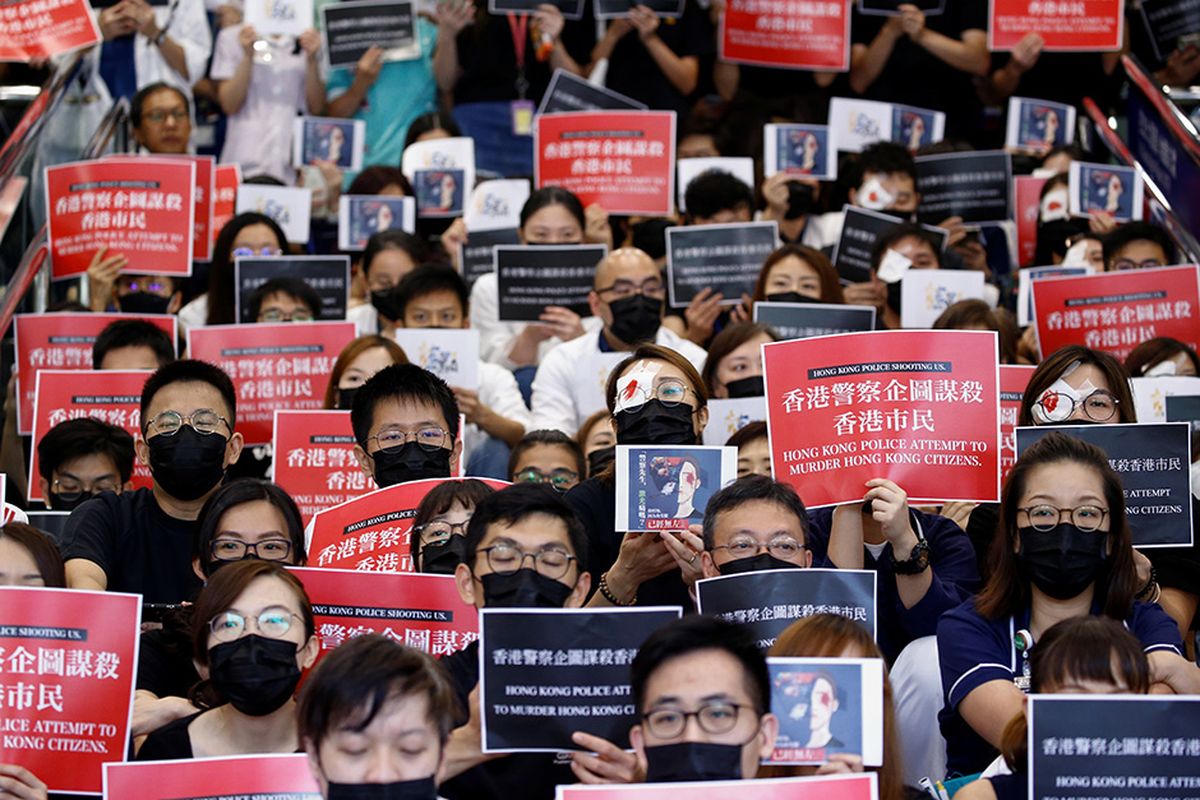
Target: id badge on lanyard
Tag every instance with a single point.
(521, 109)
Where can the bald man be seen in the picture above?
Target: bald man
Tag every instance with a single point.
(628, 295)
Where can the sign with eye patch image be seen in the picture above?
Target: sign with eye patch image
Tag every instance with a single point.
(665, 488)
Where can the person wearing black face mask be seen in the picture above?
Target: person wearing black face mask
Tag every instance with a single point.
(733, 368)
(754, 524)
(80, 459)
(440, 525)
(1064, 552)
(363, 748)
(253, 629)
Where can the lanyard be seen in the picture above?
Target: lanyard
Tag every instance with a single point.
(518, 24)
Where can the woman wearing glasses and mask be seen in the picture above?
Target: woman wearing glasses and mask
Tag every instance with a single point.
(1063, 551)
(438, 539)
(253, 632)
(655, 396)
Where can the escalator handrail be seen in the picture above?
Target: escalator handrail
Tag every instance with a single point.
(25, 134)
(1178, 124)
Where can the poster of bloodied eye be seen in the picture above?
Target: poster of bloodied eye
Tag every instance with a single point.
(667, 487)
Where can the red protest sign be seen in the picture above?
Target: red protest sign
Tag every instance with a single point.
(623, 160)
(821, 787)
(1027, 193)
(917, 407)
(202, 232)
(1084, 25)
(111, 396)
(422, 611)
(39, 29)
(281, 777)
(273, 366)
(314, 459)
(810, 34)
(66, 686)
(1117, 311)
(141, 208)
(1013, 380)
(61, 341)
(226, 178)
(371, 533)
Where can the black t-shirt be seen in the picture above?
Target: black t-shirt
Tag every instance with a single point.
(165, 665)
(1066, 78)
(171, 741)
(916, 77)
(140, 548)
(633, 72)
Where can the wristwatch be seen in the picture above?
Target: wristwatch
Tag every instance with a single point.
(158, 40)
(917, 561)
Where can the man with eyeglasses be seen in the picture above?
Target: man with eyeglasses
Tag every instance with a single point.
(141, 541)
(1137, 245)
(81, 458)
(285, 300)
(628, 296)
(525, 548)
(753, 524)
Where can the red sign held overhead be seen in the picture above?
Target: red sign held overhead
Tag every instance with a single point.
(69, 657)
(226, 178)
(1013, 380)
(273, 366)
(279, 777)
(1079, 25)
(623, 160)
(1027, 202)
(1117, 311)
(202, 232)
(39, 29)
(61, 341)
(917, 407)
(810, 34)
(145, 214)
(314, 459)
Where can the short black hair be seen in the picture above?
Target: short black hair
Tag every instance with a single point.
(431, 121)
(353, 683)
(405, 383)
(1122, 235)
(296, 288)
(887, 158)
(189, 370)
(236, 493)
(903, 230)
(714, 191)
(552, 438)
(85, 437)
(139, 100)
(748, 489)
(133, 333)
(469, 492)
(394, 239)
(427, 279)
(514, 503)
(693, 634)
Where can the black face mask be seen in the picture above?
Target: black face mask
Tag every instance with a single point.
(525, 588)
(758, 563)
(599, 459)
(693, 761)
(346, 398)
(746, 387)
(636, 319)
(655, 423)
(790, 297)
(1077, 421)
(411, 462)
(420, 789)
(187, 465)
(143, 303)
(441, 559)
(56, 503)
(256, 674)
(1064, 561)
(386, 303)
(800, 200)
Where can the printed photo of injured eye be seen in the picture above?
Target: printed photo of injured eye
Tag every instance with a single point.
(819, 710)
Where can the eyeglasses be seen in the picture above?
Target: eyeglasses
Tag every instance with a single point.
(1045, 517)
(1129, 263)
(428, 438)
(202, 420)
(668, 723)
(150, 286)
(159, 116)
(651, 287)
(262, 251)
(784, 548)
(505, 559)
(669, 392)
(236, 549)
(438, 532)
(561, 479)
(1099, 406)
(274, 623)
(275, 315)
(69, 490)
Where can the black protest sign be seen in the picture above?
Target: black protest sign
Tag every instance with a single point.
(569, 92)
(770, 600)
(1171, 25)
(351, 28)
(53, 523)
(1153, 461)
(547, 673)
(1106, 747)
(975, 186)
(329, 276)
(891, 8)
(1183, 408)
(608, 9)
(860, 228)
(571, 9)
(531, 277)
(725, 258)
(475, 255)
(802, 320)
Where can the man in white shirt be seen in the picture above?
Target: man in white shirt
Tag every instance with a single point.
(627, 296)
